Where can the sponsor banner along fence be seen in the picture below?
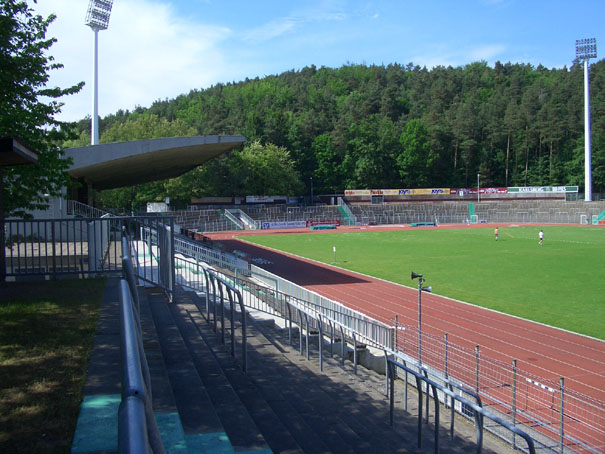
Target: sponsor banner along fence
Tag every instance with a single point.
(459, 191)
(534, 189)
(297, 224)
(464, 191)
(284, 225)
(374, 192)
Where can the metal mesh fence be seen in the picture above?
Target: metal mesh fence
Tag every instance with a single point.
(559, 419)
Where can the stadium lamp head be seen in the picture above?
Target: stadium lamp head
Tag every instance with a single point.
(586, 48)
(97, 16)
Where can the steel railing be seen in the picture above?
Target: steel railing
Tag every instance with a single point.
(373, 331)
(197, 251)
(137, 429)
(265, 298)
(314, 324)
(422, 377)
(219, 291)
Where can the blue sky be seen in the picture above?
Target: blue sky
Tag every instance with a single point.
(158, 49)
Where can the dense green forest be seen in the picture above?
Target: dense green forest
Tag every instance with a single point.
(392, 126)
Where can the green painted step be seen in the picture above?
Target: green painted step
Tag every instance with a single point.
(97, 426)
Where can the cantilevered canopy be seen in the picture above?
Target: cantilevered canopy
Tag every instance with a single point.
(14, 152)
(115, 165)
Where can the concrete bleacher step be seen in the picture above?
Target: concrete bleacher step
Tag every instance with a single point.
(163, 401)
(212, 421)
(367, 397)
(230, 374)
(283, 403)
(323, 413)
(203, 402)
(281, 423)
(353, 397)
(353, 406)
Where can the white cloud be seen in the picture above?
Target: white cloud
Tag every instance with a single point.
(291, 23)
(147, 53)
(273, 29)
(437, 55)
(446, 55)
(486, 52)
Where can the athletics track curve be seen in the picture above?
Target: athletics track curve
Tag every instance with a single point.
(542, 351)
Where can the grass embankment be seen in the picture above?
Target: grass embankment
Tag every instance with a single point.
(46, 335)
(559, 283)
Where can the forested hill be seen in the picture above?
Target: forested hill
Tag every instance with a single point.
(397, 126)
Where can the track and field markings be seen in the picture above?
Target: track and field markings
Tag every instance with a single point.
(509, 234)
(540, 385)
(573, 242)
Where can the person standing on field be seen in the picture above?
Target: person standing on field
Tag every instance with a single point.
(541, 236)
(496, 233)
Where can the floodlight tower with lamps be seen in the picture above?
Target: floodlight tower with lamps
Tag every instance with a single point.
(97, 18)
(585, 50)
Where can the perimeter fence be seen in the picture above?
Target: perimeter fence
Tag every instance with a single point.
(434, 212)
(314, 324)
(560, 419)
(70, 245)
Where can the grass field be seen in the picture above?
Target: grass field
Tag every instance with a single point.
(560, 283)
(46, 336)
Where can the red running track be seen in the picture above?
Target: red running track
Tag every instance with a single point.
(542, 351)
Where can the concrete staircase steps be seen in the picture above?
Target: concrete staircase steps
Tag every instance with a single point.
(321, 421)
(239, 425)
(357, 401)
(283, 403)
(201, 424)
(277, 434)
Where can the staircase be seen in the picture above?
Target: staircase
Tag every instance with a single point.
(203, 402)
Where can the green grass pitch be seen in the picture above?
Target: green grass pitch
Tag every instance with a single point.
(561, 283)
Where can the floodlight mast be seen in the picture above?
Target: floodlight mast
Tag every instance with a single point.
(97, 18)
(585, 50)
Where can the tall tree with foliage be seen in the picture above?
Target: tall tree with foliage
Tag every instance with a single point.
(416, 158)
(28, 107)
(260, 169)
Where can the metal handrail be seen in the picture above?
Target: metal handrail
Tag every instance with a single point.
(213, 292)
(232, 293)
(133, 382)
(231, 217)
(308, 318)
(186, 246)
(478, 411)
(132, 426)
(128, 270)
(374, 332)
(137, 427)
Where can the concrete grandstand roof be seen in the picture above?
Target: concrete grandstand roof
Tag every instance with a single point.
(115, 165)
